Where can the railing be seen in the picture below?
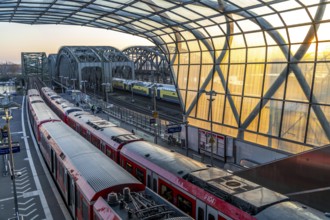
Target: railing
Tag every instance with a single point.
(138, 120)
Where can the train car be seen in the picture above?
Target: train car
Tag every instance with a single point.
(39, 113)
(33, 92)
(200, 191)
(59, 105)
(85, 176)
(142, 88)
(168, 93)
(118, 83)
(106, 136)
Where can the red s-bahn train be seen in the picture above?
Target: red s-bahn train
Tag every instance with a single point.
(201, 191)
(93, 186)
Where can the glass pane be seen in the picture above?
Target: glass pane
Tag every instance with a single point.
(298, 34)
(184, 58)
(229, 115)
(257, 54)
(190, 97)
(193, 77)
(235, 81)
(208, 57)
(195, 58)
(272, 74)
(203, 107)
(183, 74)
(217, 108)
(248, 105)
(294, 121)
(254, 79)
(218, 85)
(238, 56)
(255, 39)
(294, 90)
(323, 51)
(270, 117)
(321, 92)
(206, 71)
(316, 134)
(275, 54)
(290, 17)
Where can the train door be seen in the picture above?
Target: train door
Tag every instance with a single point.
(211, 213)
(200, 210)
(152, 181)
(52, 158)
(71, 195)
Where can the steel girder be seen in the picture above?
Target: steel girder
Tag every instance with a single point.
(150, 62)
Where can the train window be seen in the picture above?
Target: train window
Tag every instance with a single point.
(148, 181)
(79, 205)
(200, 214)
(84, 210)
(96, 217)
(211, 217)
(140, 175)
(102, 146)
(166, 192)
(95, 142)
(154, 185)
(129, 167)
(184, 204)
(108, 153)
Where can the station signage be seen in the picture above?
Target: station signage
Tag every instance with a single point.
(4, 148)
(4, 134)
(152, 121)
(176, 129)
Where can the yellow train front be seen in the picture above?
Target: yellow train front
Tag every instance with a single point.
(167, 93)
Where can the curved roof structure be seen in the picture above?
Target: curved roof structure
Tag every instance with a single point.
(266, 61)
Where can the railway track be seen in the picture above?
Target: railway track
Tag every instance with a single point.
(144, 105)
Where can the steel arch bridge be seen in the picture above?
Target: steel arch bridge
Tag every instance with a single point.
(35, 64)
(94, 64)
(150, 64)
(266, 61)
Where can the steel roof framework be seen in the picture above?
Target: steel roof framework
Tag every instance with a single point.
(269, 69)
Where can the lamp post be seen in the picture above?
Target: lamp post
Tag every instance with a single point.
(66, 80)
(6, 107)
(61, 77)
(155, 113)
(84, 85)
(185, 121)
(107, 85)
(132, 100)
(74, 83)
(211, 99)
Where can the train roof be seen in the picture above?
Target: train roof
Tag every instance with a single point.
(33, 92)
(35, 99)
(292, 211)
(105, 128)
(43, 112)
(92, 120)
(174, 163)
(250, 196)
(96, 168)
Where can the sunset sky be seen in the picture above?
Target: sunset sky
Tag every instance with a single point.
(17, 38)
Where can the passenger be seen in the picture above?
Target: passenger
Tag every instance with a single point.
(133, 131)
(93, 109)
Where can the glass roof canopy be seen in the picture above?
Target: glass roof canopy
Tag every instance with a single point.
(267, 60)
